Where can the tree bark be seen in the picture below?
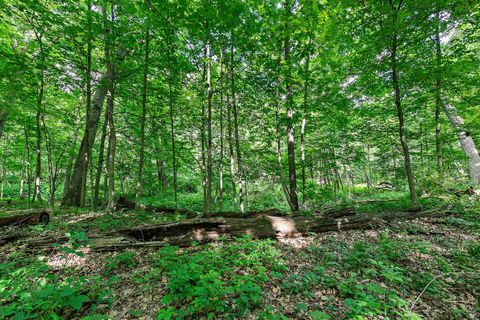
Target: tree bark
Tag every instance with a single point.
(101, 159)
(304, 121)
(171, 104)
(398, 105)
(203, 133)
(88, 76)
(438, 98)
(112, 141)
(209, 122)
(231, 153)
(279, 149)
(466, 142)
(51, 170)
(29, 216)
(292, 174)
(235, 126)
(3, 120)
(68, 173)
(38, 165)
(220, 169)
(142, 120)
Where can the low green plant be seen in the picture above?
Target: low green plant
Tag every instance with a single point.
(124, 259)
(29, 290)
(222, 280)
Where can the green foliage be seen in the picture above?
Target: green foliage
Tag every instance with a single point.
(29, 290)
(222, 280)
(121, 260)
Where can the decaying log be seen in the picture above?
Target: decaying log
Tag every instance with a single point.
(459, 193)
(204, 230)
(28, 216)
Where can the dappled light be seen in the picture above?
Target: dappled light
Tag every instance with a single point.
(231, 159)
(59, 259)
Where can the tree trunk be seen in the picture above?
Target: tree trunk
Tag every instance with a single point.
(231, 153)
(235, 123)
(220, 169)
(101, 157)
(22, 174)
(88, 150)
(171, 104)
(142, 120)
(304, 121)
(51, 170)
(209, 122)
(74, 195)
(110, 103)
(38, 165)
(3, 119)
(68, 172)
(3, 170)
(466, 142)
(398, 105)
(290, 133)
(438, 98)
(279, 149)
(203, 133)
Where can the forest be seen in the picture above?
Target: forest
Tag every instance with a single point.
(240, 159)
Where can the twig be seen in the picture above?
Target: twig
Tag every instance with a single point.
(431, 281)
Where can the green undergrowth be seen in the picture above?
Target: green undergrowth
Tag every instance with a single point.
(213, 281)
(31, 289)
(378, 279)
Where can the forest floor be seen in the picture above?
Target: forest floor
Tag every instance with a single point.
(427, 268)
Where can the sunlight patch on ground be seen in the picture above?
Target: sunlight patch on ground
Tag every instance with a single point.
(59, 260)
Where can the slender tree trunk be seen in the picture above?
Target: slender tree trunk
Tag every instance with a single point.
(68, 172)
(290, 133)
(466, 142)
(105, 175)
(3, 168)
(27, 165)
(203, 133)
(220, 169)
(209, 123)
(22, 174)
(101, 157)
(110, 103)
(3, 119)
(231, 153)
(88, 149)
(438, 99)
(285, 190)
(398, 105)
(304, 121)
(51, 171)
(171, 104)
(235, 126)
(38, 165)
(142, 121)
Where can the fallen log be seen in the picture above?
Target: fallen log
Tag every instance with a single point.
(205, 230)
(28, 216)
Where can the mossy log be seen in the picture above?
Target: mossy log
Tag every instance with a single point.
(204, 230)
(27, 216)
